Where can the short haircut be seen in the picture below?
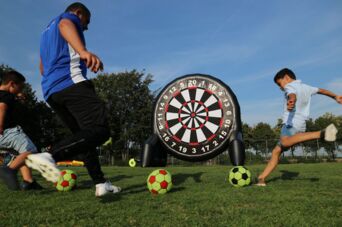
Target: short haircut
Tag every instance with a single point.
(77, 5)
(281, 74)
(12, 75)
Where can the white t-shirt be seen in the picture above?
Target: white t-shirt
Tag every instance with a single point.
(300, 114)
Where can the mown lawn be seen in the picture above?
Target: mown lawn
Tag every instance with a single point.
(297, 195)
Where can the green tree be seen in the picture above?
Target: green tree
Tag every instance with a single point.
(313, 145)
(247, 132)
(277, 127)
(321, 123)
(264, 138)
(130, 104)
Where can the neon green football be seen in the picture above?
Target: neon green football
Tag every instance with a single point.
(239, 176)
(66, 181)
(159, 181)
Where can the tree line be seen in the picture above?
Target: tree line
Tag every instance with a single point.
(262, 138)
(129, 102)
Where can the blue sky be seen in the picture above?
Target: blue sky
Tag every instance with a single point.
(244, 43)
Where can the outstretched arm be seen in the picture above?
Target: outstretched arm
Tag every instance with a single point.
(330, 94)
(69, 33)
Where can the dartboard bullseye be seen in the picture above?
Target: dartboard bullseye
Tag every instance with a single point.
(193, 117)
(196, 120)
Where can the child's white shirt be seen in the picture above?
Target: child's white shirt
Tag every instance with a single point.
(300, 114)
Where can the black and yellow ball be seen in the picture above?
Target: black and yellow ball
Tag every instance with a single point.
(239, 176)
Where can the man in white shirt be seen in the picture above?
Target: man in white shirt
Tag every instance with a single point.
(296, 113)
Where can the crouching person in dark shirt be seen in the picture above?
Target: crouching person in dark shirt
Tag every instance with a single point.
(12, 137)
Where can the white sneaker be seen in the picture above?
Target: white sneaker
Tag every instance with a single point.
(330, 133)
(44, 163)
(105, 188)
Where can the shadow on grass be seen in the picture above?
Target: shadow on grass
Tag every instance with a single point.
(110, 198)
(44, 191)
(287, 175)
(180, 178)
(86, 184)
(142, 188)
(177, 189)
(177, 179)
(119, 177)
(133, 189)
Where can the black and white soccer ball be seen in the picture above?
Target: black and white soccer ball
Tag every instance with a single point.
(239, 176)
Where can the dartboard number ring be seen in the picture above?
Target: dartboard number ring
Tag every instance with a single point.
(194, 116)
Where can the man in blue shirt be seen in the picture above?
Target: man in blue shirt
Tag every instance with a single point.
(63, 65)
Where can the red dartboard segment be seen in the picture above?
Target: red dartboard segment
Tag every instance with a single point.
(210, 92)
(220, 104)
(191, 116)
(211, 137)
(177, 139)
(176, 93)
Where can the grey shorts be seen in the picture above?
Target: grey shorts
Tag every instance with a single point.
(16, 139)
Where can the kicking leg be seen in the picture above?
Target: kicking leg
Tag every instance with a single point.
(329, 134)
(288, 141)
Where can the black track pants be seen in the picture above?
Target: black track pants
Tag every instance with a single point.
(84, 114)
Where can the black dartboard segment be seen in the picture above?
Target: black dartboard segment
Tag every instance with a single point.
(193, 117)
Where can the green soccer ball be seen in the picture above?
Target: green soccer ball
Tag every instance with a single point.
(159, 182)
(66, 181)
(239, 176)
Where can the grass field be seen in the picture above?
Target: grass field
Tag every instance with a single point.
(297, 195)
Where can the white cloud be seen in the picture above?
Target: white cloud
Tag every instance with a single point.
(327, 23)
(266, 73)
(335, 86)
(266, 110)
(321, 105)
(180, 62)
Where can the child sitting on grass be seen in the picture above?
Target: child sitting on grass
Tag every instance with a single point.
(12, 137)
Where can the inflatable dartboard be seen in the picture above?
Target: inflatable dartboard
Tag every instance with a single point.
(194, 117)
